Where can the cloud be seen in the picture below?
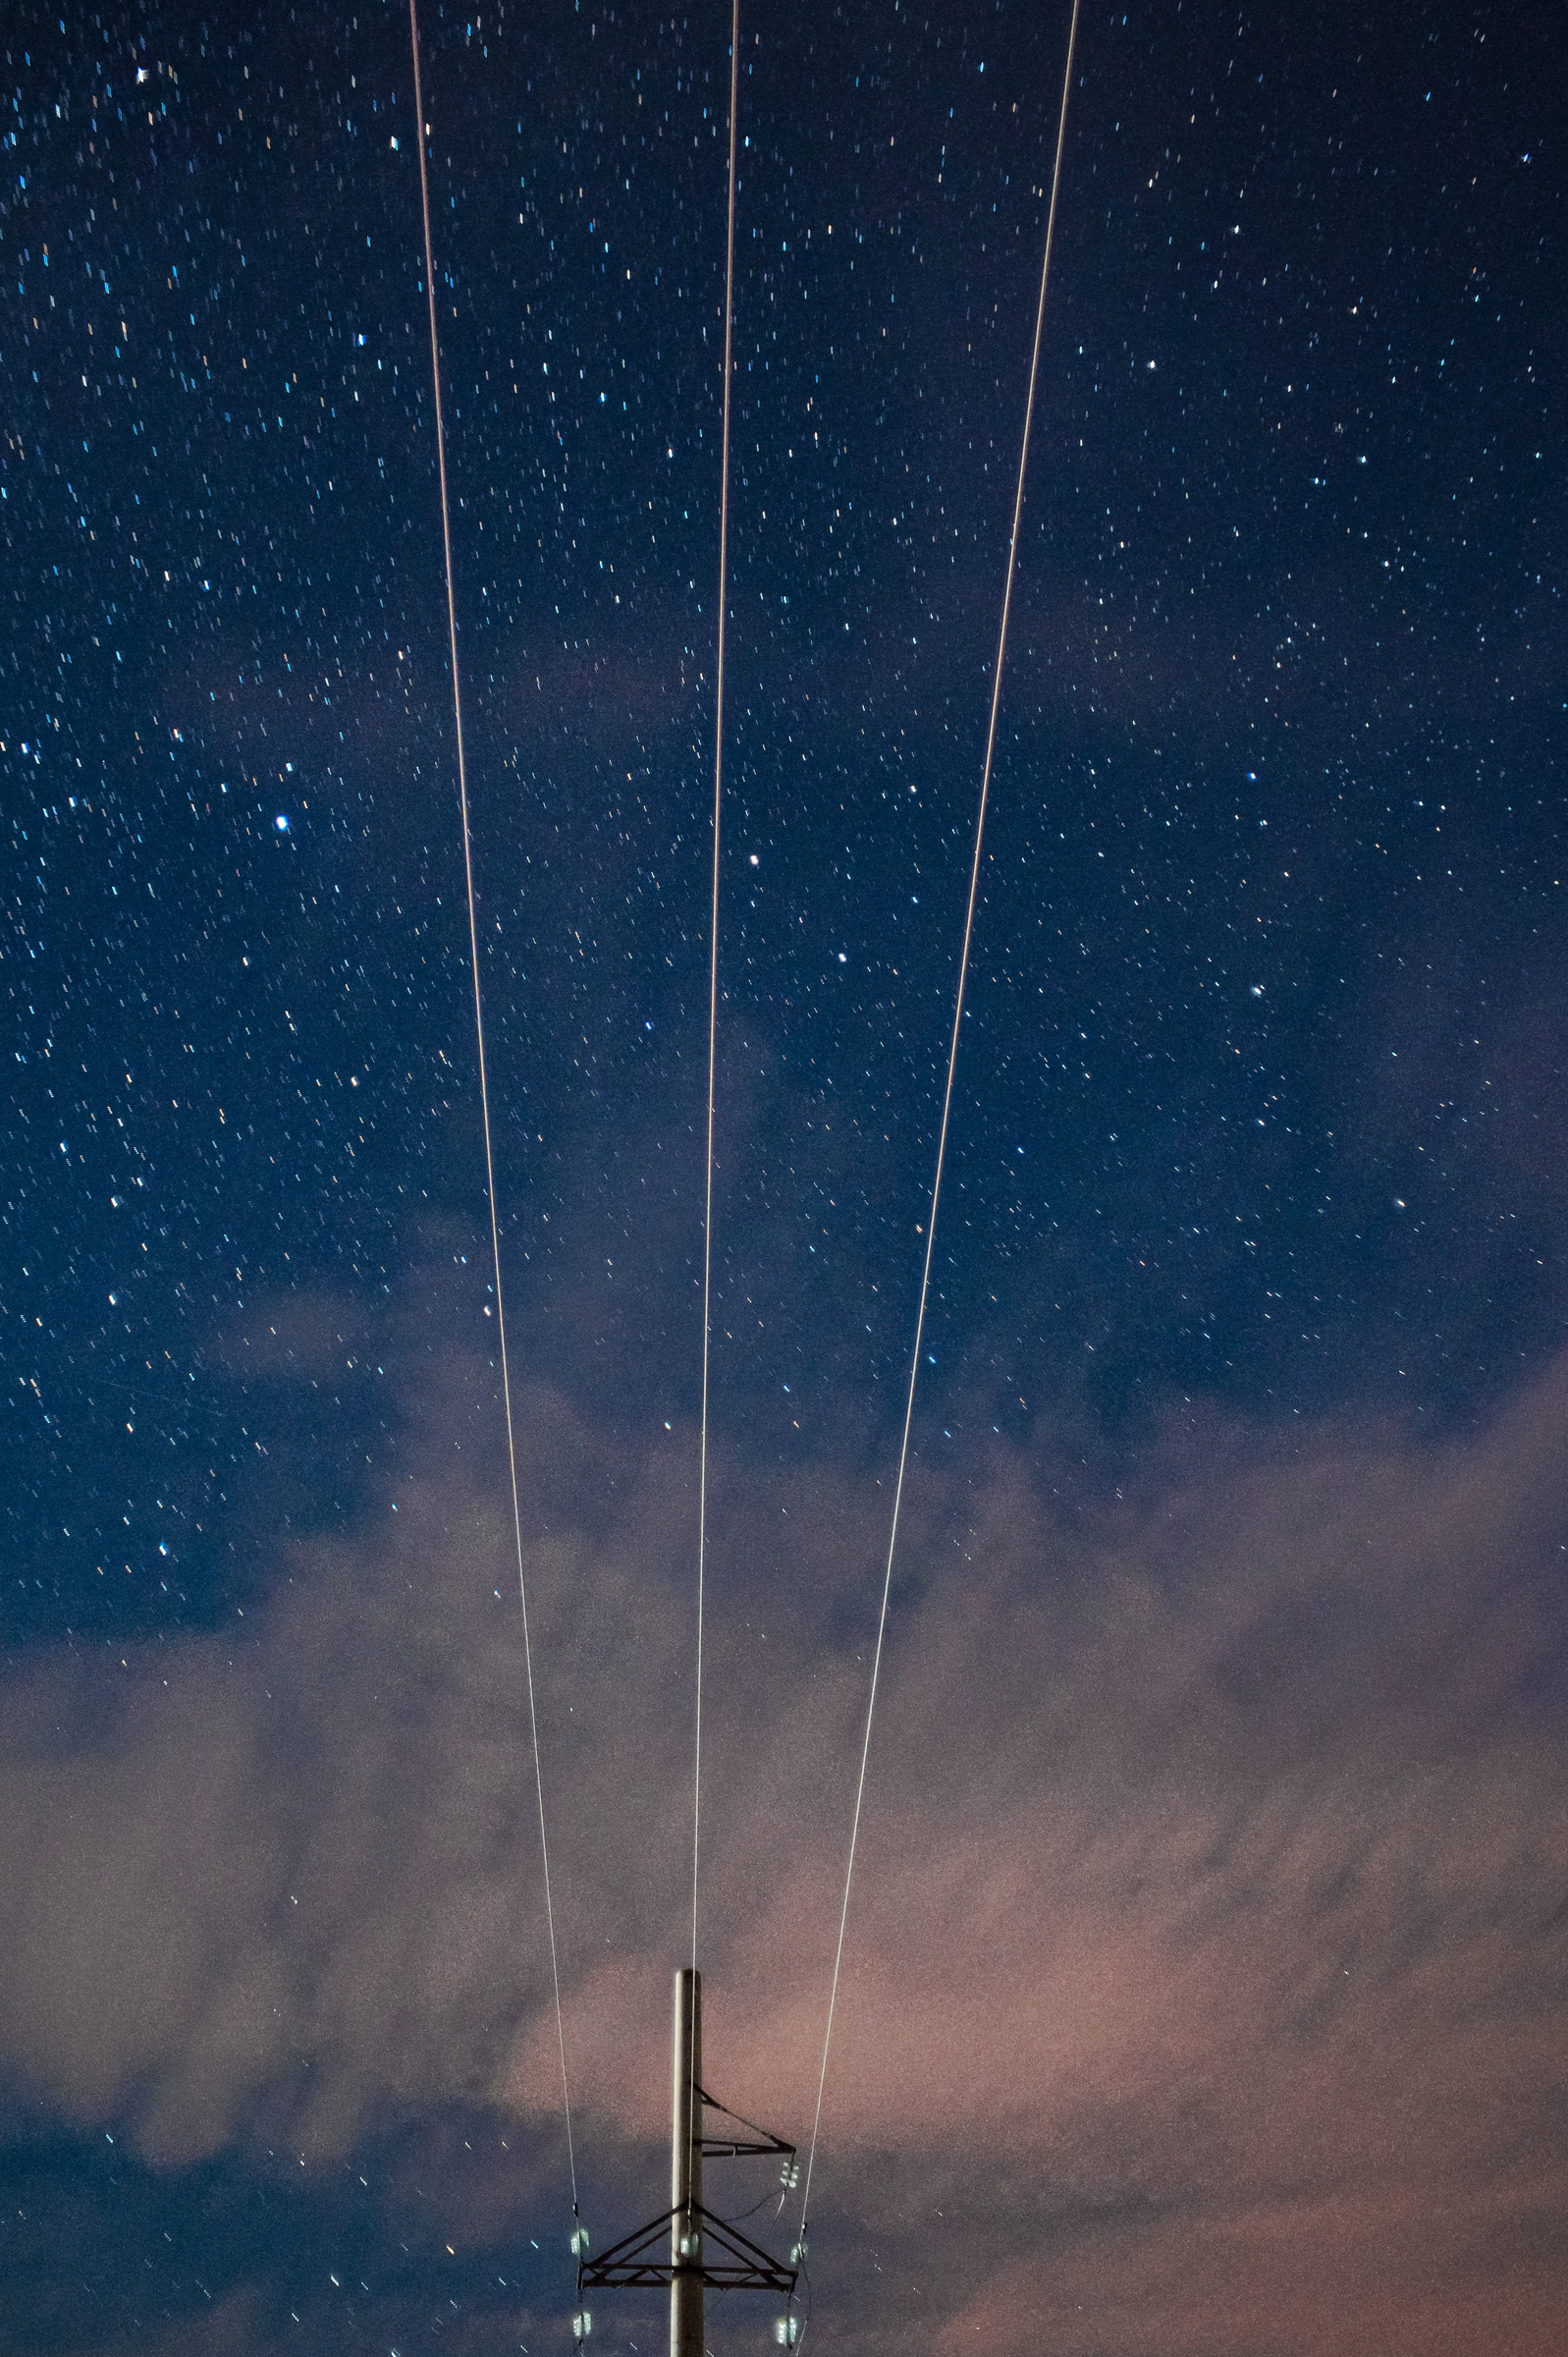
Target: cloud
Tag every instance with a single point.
(1206, 1978)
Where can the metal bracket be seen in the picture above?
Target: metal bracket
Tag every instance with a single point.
(641, 2259)
(762, 2140)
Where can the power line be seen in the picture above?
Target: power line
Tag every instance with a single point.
(947, 1110)
(484, 1085)
(713, 963)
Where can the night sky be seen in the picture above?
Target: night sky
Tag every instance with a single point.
(1205, 1990)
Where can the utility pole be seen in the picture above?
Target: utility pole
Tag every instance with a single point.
(702, 2249)
(685, 2170)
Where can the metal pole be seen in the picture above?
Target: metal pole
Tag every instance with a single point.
(685, 2170)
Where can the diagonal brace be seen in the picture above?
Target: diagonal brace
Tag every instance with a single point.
(730, 2262)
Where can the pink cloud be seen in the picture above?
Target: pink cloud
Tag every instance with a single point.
(1208, 1965)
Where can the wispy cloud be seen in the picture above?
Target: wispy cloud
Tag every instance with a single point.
(1207, 1983)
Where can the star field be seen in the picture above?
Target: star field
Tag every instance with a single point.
(1260, 1112)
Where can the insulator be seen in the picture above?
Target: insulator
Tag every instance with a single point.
(579, 2242)
(789, 2175)
(797, 2257)
(691, 2246)
(787, 2330)
(582, 2327)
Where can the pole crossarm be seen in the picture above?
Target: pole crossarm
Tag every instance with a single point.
(731, 2148)
(729, 2261)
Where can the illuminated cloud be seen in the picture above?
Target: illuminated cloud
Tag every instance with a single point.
(1208, 1955)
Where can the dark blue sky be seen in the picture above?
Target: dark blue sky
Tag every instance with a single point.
(1260, 1122)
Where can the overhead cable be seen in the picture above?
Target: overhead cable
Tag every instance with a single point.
(713, 964)
(484, 1084)
(946, 1109)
